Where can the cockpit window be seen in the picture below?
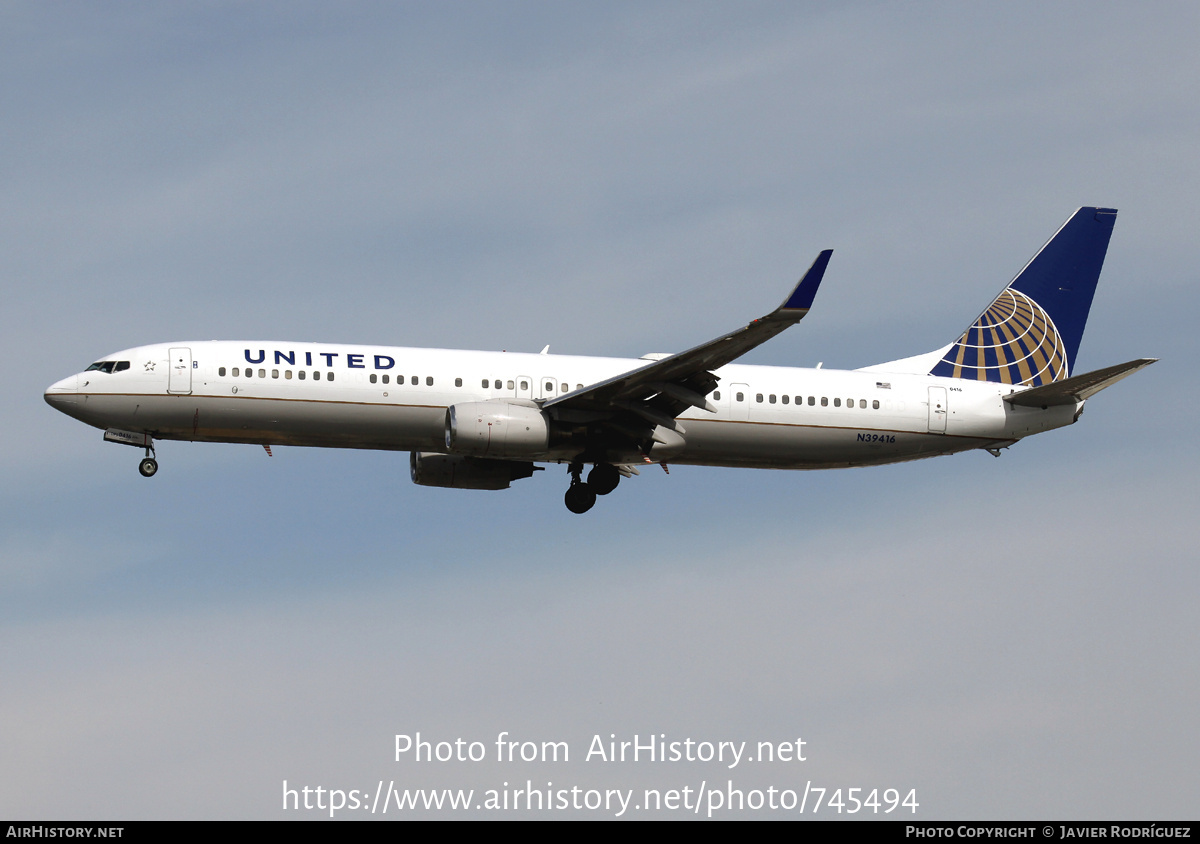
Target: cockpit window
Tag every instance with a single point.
(108, 366)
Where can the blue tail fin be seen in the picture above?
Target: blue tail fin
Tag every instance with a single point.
(1031, 332)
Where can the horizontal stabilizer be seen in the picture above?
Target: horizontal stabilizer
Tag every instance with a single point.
(1078, 387)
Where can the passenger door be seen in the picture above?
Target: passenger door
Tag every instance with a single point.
(179, 379)
(937, 410)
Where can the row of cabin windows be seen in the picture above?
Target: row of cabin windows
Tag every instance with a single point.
(301, 375)
(374, 378)
(512, 385)
(799, 400)
(413, 379)
(771, 398)
(236, 372)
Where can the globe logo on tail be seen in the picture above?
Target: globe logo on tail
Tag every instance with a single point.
(1014, 342)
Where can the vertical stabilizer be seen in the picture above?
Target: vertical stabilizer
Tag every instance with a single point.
(1030, 334)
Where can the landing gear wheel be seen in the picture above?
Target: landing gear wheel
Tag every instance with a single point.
(603, 478)
(580, 498)
(148, 467)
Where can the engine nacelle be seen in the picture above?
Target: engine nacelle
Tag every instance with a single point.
(496, 429)
(458, 472)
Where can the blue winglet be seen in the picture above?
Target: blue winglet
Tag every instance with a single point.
(802, 297)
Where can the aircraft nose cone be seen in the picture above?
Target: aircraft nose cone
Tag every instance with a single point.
(64, 392)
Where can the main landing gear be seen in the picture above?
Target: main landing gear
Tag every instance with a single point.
(581, 496)
(603, 478)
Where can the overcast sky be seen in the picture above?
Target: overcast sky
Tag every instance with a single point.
(1012, 637)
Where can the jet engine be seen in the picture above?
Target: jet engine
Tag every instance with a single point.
(496, 429)
(458, 472)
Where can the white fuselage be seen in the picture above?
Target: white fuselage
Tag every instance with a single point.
(394, 398)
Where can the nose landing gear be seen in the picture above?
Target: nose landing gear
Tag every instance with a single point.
(148, 465)
(138, 439)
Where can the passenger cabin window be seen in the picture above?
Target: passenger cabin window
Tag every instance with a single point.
(811, 400)
(372, 378)
(457, 382)
(783, 399)
(236, 372)
(413, 380)
(716, 395)
(299, 374)
(316, 376)
(221, 372)
(385, 379)
(287, 375)
(771, 398)
(837, 402)
(485, 383)
(328, 376)
(824, 401)
(566, 388)
(758, 398)
(740, 397)
(875, 404)
(428, 380)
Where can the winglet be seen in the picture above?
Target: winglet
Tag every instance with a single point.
(806, 290)
(686, 377)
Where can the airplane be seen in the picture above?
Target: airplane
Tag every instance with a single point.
(481, 420)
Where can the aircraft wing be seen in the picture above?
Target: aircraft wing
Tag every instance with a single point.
(1077, 388)
(658, 392)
